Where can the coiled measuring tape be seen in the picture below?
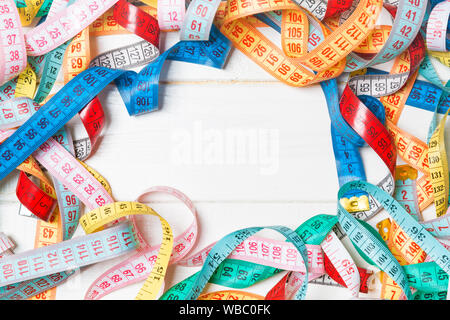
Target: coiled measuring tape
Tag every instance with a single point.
(62, 107)
(361, 85)
(314, 230)
(65, 25)
(13, 58)
(69, 254)
(138, 267)
(26, 289)
(376, 250)
(72, 174)
(193, 286)
(41, 159)
(61, 165)
(437, 28)
(288, 281)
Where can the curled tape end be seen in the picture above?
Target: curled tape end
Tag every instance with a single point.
(374, 281)
(5, 243)
(384, 227)
(355, 204)
(405, 172)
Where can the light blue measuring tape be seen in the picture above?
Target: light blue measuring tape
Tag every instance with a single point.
(68, 255)
(139, 92)
(424, 95)
(407, 23)
(406, 194)
(53, 63)
(69, 205)
(428, 71)
(191, 288)
(198, 19)
(16, 112)
(372, 246)
(348, 159)
(27, 289)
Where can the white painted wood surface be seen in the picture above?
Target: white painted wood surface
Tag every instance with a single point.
(282, 174)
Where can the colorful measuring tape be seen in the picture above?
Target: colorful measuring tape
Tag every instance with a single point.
(320, 41)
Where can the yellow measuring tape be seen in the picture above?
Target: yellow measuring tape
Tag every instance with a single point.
(437, 160)
(28, 13)
(26, 83)
(97, 218)
(443, 57)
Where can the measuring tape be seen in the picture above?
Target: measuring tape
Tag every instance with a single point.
(95, 220)
(67, 255)
(333, 277)
(62, 107)
(138, 267)
(437, 28)
(170, 13)
(376, 251)
(127, 57)
(69, 205)
(32, 197)
(342, 262)
(275, 254)
(354, 204)
(64, 167)
(16, 111)
(53, 63)
(191, 288)
(230, 295)
(362, 85)
(26, 289)
(107, 25)
(64, 25)
(323, 45)
(437, 161)
(13, 58)
(144, 25)
(239, 274)
(408, 19)
(72, 174)
(199, 19)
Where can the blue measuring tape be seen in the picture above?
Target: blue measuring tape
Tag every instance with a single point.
(375, 249)
(68, 255)
(424, 95)
(139, 92)
(348, 159)
(191, 288)
(27, 289)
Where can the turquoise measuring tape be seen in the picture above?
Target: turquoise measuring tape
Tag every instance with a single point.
(374, 248)
(191, 288)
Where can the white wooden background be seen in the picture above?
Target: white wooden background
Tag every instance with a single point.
(286, 174)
